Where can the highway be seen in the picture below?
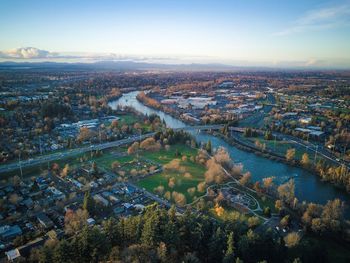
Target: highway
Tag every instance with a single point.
(70, 153)
(73, 152)
(321, 150)
(315, 148)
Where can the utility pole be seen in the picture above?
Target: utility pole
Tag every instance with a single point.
(41, 150)
(20, 164)
(315, 153)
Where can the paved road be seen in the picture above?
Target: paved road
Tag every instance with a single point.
(73, 152)
(70, 153)
(316, 148)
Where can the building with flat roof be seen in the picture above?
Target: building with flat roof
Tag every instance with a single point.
(9, 232)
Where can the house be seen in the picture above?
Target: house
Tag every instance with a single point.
(129, 189)
(57, 194)
(9, 232)
(13, 254)
(28, 203)
(118, 210)
(127, 205)
(24, 251)
(100, 199)
(90, 221)
(305, 120)
(44, 220)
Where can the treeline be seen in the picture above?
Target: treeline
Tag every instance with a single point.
(148, 101)
(55, 109)
(159, 235)
(337, 175)
(171, 136)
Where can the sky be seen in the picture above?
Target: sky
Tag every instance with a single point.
(298, 33)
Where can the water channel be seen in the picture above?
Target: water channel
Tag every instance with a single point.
(308, 186)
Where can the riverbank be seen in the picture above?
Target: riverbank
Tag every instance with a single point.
(307, 186)
(311, 168)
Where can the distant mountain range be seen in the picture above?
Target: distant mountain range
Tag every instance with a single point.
(137, 66)
(115, 65)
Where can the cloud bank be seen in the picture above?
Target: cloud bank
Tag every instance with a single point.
(27, 53)
(32, 54)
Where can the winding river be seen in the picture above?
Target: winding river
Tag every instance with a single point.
(308, 186)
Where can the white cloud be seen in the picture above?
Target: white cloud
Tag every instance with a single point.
(27, 53)
(319, 19)
(32, 53)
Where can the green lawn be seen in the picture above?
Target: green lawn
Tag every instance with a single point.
(281, 147)
(182, 184)
(105, 161)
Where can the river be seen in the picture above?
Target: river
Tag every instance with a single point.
(308, 187)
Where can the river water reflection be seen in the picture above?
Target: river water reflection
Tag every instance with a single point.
(308, 186)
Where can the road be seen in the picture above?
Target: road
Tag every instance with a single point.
(73, 152)
(70, 153)
(316, 148)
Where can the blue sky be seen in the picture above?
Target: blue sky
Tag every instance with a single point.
(261, 33)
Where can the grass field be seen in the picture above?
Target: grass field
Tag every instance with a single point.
(131, 119)
(182, 183)
(103, 161)
(281, 147)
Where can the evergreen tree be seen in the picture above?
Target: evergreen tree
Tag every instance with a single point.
(208, 147)
(89, 203)
(229, 254)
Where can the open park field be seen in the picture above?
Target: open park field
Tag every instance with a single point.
(172, 180)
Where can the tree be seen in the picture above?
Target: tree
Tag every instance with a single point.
(84, 134)
(150, 144)
(230, 251)
(245, 178)
(114, 124)
(214, 172)
(268, 135)
(279, 205)
(89, 203)
(253, 221)
(332, 214)
(150, 229)
(290, 154)
(267, 211)
(286, 191)
(115, 165)
(63, 252)
(162, 252)
(216, 246)
(133, 148)
(16, 181)
(292, 239)
(94, 168)
(305, 161)
(222, 157)
(284, 221)
(208, 147)
(268, 182)
(65, 170)
(75, 221)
